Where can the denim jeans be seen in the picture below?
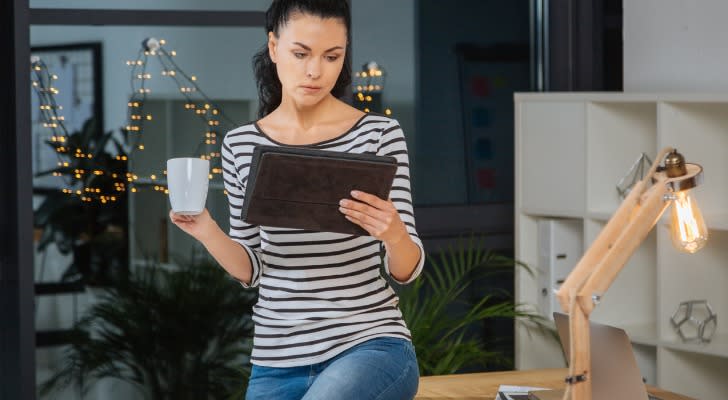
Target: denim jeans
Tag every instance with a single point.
(382, 368)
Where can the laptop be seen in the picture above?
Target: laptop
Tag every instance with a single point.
(614, 372)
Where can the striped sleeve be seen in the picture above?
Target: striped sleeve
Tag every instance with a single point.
(248, 236)
(392, 143)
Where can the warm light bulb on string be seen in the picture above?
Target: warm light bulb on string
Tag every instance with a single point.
(187, 85)
(45, 87)
(368, 85)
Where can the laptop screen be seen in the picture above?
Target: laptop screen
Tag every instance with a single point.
(614, 373)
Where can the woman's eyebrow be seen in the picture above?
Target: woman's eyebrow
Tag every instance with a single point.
(309, 49)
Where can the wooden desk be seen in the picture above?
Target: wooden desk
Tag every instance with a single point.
(485, 385)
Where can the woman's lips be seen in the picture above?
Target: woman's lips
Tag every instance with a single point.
(310, 89)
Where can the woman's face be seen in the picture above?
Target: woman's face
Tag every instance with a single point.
(309, 54)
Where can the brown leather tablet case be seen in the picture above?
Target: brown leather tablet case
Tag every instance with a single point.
(298, 187)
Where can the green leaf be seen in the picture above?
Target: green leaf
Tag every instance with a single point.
(174, 334)
(440, 315)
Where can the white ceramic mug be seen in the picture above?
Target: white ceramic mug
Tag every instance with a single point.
(187, 181)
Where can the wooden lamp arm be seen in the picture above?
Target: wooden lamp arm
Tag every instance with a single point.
(589, 261)
(607, 237)
(609, 257)
(599, 267)
(620, 251)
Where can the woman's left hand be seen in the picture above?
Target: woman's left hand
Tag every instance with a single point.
(377, 216)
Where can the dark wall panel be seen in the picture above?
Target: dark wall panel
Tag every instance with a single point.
(17, 333)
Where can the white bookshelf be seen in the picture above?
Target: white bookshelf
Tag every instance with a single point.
(571, 150)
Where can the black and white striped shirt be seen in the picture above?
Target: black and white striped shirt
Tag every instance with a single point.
(320, 293)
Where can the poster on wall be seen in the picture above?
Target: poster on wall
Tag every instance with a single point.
(488, 78)
(66, 81)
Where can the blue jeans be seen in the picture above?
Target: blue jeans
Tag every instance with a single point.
(382, 368)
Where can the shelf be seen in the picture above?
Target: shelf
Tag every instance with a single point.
(630, 300)
(717, 221)
(699, 276)
(601, 215)
(583, 144)
(696, 375)
(604, 97)
(645, 335)
(646, 357)
(544, 213)
(617, 135)
(700, 133)
(718, 346)
(544, 138)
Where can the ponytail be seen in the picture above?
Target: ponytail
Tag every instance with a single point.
(266, 78)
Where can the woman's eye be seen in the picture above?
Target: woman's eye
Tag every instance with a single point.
(299, 55)
(332, 58)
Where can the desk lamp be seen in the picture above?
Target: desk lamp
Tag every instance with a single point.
(629, 226)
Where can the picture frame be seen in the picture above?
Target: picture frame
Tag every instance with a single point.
(79, 76)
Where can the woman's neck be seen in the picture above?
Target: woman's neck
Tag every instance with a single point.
(297, 125)
(303, 119)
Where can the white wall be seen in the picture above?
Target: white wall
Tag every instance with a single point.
(675, 46)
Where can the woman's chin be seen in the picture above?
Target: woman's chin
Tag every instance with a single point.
(308, 100)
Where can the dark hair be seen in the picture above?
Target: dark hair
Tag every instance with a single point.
(278, 14)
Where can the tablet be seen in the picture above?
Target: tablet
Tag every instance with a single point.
(299, 187)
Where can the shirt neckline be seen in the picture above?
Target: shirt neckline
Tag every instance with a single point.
(356, 124)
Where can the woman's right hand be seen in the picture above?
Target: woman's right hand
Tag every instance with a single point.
(198, 226)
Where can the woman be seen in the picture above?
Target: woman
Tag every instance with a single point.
(327, 325)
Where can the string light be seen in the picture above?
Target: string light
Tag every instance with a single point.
(83, 173)
(204, 108)
(188, 86)
(49, 115)
(368, 85)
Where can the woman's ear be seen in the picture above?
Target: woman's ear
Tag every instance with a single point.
(272, 46)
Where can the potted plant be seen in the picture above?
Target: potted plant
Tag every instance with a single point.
(89, 217)
(176, 333)
(443, 313)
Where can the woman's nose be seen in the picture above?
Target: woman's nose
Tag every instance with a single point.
(313, 70)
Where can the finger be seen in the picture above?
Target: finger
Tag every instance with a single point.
(386, 217)
(180, 218)
(370, 199)
(363, 208)
(365, 219)
(175, 218)
(370, 229)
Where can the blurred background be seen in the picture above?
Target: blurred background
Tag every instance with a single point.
(118, 87)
